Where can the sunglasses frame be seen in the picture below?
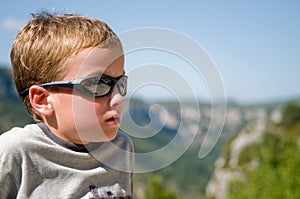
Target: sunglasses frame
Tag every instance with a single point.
(76, 84)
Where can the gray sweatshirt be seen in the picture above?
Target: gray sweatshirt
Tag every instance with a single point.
(34, 163)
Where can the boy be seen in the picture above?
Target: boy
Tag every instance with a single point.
(69, 73)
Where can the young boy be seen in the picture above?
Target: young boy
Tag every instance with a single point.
(69, 73)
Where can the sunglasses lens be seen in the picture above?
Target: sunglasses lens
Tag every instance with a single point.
(122, 85)
(101, 86)
(97, 86)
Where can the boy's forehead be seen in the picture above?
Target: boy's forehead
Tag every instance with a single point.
(97, 60)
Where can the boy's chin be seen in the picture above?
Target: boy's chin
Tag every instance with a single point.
(105, 137)
(112, 135)
(97, 134)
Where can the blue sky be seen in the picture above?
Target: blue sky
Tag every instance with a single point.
(254, 44)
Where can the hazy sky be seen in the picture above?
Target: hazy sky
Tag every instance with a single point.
(255, 45)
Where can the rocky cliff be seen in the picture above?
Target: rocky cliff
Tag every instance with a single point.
(261, 161)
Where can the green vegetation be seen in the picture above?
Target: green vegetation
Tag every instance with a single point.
(156, 190)
(277, 174)
(186, 177)
(12, 111)
(291, 115)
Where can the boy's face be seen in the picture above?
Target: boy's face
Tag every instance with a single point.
(79, 118)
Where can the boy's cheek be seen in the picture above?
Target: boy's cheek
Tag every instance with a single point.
(96, 134)
(89, 123)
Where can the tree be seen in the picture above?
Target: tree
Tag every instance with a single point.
(157, 190)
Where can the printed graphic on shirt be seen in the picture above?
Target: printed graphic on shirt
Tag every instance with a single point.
(109, 192)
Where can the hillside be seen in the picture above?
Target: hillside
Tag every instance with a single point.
(154, 125)
(12, 112)
(262, 160)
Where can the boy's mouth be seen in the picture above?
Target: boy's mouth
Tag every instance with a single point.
(113, 120)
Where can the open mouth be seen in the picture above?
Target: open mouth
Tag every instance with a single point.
(113, 120)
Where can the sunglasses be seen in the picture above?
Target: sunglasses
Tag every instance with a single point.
(94, 86)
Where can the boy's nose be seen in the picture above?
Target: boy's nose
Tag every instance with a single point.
(116, 98)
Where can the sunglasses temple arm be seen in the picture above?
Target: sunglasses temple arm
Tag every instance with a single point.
(56, 84)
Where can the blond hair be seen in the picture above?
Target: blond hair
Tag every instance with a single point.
(45, 42)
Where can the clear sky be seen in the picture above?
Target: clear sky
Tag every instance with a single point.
(254, 44)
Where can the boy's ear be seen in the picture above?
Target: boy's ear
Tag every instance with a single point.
(40, 100)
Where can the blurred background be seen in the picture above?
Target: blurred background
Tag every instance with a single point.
(255, 47)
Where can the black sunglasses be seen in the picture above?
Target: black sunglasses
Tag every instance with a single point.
(94, 86)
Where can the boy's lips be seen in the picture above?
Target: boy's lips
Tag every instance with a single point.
(113, 118)
(113, 121)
